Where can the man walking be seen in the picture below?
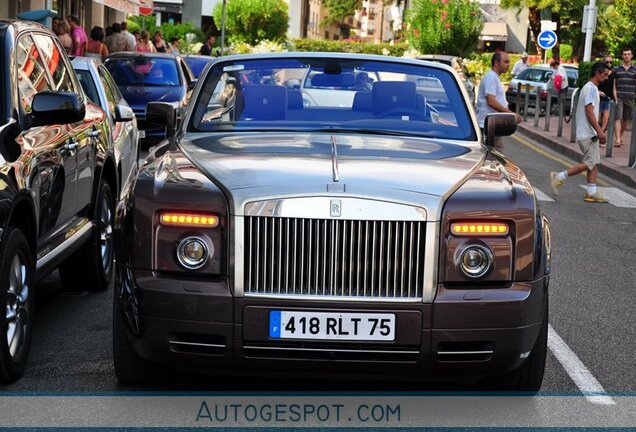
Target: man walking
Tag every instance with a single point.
(131, 38)
(491, 97)
(206, 48)
(78, 35)
(625, 89)
(588, 135)
(117, 42)
(520, 65)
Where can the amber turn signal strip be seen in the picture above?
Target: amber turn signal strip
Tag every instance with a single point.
(479, 228)
(188, 219)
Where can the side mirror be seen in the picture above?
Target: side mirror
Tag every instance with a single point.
(49, 108)
(162, 113)
(123, 113)
(499, 124)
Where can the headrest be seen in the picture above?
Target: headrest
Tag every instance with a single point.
(264, 102)
(362, 101)
(294, 99)
(333, 80)
(388, 95)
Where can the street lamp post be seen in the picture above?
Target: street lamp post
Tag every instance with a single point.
(589, 30)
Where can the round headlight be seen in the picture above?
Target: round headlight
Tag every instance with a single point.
(475, 261)
(192, 253)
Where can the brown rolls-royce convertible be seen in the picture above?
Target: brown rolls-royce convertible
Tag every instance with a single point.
(331, 214)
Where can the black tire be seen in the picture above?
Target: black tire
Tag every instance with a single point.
(529, 376)
(16, 293)
(130, 369)
(91, 267)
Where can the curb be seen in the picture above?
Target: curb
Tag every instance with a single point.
(624, 175)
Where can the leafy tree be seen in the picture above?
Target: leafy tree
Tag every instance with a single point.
(340, 9)
(444, 26)
(617, 26)
(250, 21)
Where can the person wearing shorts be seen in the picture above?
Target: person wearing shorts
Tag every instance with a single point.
(607, 90)
(625, 94)
(588, 135)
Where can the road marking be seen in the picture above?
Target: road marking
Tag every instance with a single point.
(582, 377)
(539, 150)
(616, 196)
(542, 196)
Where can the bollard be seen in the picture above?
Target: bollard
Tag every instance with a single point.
(548, 107)
(537, 104)
(561, 113)
(526, 102)
(632, 143)
(518, 106)
(575, 104)
(610, 129)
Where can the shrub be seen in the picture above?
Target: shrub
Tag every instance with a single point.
(324, 45)
(444, 26)
(251, 21)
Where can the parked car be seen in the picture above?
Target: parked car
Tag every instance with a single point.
(197, 63)
(59, 181)
(102, 90)
(539, 77)
(382, 239)
(458, 64)
(146, 77)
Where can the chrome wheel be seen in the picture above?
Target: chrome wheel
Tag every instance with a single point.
(106, 233)
(17, 306)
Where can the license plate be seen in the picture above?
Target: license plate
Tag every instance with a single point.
(331, 326)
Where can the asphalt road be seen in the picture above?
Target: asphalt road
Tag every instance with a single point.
(591, 306)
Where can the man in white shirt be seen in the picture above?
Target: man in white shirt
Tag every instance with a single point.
(588, 135)
(129, 36)
(520, 65)
(491, 97)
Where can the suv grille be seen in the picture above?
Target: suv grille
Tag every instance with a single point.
(334, 258)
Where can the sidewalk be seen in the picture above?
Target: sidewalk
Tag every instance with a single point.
(615, 167)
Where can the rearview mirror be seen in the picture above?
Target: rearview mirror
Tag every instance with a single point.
(162, 113)
(49, 108)
(499, 124)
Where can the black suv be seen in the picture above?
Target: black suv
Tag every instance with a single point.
(58, 182)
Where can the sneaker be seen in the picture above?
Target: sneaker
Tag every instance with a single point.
(555, 183)
(595, 198)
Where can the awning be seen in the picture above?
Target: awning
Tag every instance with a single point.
(494, 32)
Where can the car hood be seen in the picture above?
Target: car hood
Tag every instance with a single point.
(138, 96)
(251, 166)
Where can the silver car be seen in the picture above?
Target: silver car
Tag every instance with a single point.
(102, 90)
(538, 77)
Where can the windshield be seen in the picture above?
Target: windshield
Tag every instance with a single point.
(535, 75)
(326, 94)
(197, 64)
(144, 71)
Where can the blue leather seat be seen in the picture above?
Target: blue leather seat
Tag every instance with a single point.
(393, 95)
(264, 102)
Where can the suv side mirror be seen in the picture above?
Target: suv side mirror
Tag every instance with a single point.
(499, 124)
(49, 108)
(123, 113)
(163, 113)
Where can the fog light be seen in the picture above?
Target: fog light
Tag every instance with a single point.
(192, 253)
(475, 261)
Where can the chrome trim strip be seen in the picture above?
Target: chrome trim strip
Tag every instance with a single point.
(197, 344)
(332, 298)
(362, 351)
(463, 352)
(78, 236)
(431, 260)
(334, 160)
(239, 255)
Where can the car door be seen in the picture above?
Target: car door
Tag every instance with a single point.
(83, 134)
(55, 179)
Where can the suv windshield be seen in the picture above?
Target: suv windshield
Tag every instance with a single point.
(324, 94)
(144, 71)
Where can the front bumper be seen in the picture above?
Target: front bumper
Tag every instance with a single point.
(199, 326)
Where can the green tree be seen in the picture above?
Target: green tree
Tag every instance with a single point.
(617, 26)
(444, 26)
(250, 21)
(340, 9)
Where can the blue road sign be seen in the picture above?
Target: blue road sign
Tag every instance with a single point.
(547, 39)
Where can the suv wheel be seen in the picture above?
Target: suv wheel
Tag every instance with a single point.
(91, 267)
(16, 293)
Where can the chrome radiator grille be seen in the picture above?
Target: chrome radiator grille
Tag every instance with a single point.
(320, 257)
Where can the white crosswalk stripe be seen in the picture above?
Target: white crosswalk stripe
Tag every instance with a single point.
(541, 196)
(616, 196)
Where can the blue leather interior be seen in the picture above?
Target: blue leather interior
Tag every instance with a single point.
(264, 102)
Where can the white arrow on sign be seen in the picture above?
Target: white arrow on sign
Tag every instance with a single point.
(547, 38)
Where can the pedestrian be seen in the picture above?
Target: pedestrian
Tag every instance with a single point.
(206, 48)
(520, 65)
(144, 44)
(96, 47)
(625, 94)
(131, 38)
(64, 35)
(117, 42)
(588, 135)
(55, 24)
(491, 97)
(559, 78)
(159, 43)
(607, 91)
(78, 35)
(136, 35)
(174, 45)
(108, 30)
